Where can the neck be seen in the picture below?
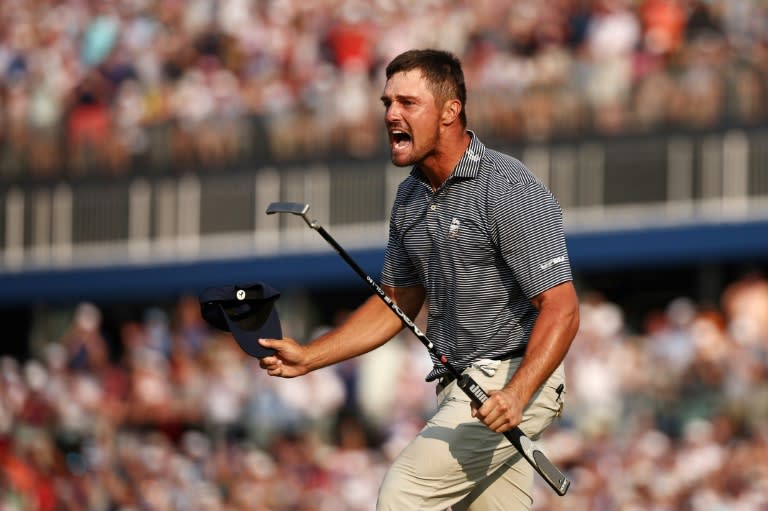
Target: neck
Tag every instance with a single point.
(438, 167)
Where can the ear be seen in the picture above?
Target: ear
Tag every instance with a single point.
(451, 111)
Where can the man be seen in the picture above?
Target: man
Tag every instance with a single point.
(479, 239)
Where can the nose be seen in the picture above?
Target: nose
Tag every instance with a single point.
(391, 113)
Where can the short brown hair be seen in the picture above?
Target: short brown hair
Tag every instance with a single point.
(442, 71)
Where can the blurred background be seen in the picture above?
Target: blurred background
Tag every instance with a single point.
(141, 141)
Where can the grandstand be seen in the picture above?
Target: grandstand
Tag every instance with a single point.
(140, 143)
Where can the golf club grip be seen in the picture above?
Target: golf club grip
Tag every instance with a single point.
(535, 456)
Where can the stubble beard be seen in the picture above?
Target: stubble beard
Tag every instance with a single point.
(415, 155)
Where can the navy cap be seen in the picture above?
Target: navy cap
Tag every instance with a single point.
(245, 310)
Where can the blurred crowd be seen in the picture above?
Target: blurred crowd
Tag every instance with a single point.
(172, 416)
(114, 86)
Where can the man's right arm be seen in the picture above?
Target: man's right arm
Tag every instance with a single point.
(368, 327)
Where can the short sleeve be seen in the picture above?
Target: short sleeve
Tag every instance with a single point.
(398, 270)
(529, 229)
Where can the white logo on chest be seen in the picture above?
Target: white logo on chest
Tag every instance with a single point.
(453, 230)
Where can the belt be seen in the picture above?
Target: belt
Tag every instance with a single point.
(515, 353)
(447, 378)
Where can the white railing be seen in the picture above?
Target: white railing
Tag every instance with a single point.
(705, 179)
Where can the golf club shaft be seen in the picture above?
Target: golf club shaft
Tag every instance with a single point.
(538, 460)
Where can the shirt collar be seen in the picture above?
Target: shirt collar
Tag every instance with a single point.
(469, 164)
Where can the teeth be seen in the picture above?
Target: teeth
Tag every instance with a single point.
(399, 135)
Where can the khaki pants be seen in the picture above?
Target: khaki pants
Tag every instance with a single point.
(457, 461)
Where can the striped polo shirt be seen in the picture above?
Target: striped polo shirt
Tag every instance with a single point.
(484, 243)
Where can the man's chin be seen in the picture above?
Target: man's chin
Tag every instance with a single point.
(400, 160)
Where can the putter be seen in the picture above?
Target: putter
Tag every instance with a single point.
(525, 446)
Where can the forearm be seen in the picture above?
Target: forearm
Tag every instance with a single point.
(368, 327)
(550, 340)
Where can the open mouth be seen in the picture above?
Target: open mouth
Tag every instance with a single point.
(399, 139)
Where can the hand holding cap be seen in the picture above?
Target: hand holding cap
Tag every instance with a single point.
(247, 311)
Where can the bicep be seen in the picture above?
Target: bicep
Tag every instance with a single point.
(560, 302)
(408, 298)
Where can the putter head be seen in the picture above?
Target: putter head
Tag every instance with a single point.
(294, 208)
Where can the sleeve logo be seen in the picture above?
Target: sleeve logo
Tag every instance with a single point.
(552, 262)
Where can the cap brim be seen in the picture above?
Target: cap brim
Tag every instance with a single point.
(248, 338)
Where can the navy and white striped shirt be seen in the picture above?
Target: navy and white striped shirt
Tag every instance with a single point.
(489, 239)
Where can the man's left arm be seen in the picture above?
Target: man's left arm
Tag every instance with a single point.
(550, 339)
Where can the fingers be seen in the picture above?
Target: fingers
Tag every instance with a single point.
(271, 343)
(272, 363)
(274, 366)
(287, 361)
(499, 413)
(275, 369)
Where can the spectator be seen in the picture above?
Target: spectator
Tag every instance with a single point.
(129, 86)
(84, 343)
(680, 424)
